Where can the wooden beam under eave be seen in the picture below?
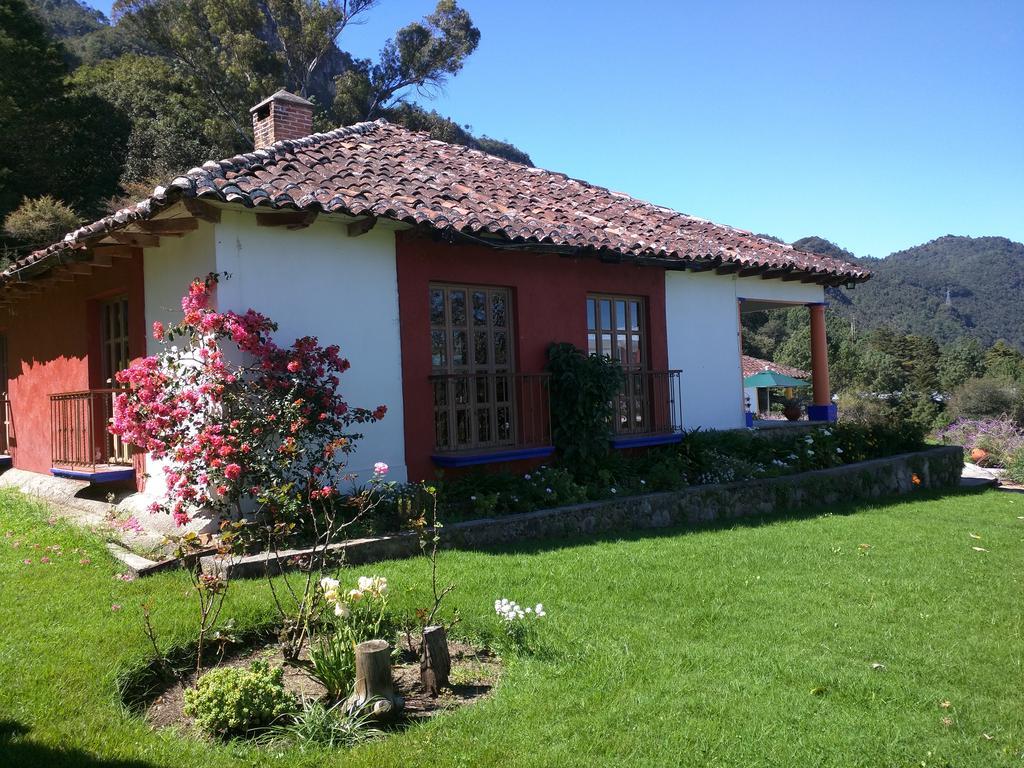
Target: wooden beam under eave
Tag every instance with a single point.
(290, 219)
(136, 239)
(115, 251)
(750, 271)
(169, 226)
(202, 210)
(361, 227)
(727, 269)
(793, 277)
(772, 274)
(812, 278)
(102, 260)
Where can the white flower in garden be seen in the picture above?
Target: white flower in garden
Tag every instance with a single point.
(527, 477)
(613, 490)
(365, 583)
(548, 490)
(380, 469)
(539, 610)
(792, 457)
(355, 595)
(380, 586)
(839, 450)
(327, 584)
(643, 482)
(342, 610)
(808, 439)
(472, 498)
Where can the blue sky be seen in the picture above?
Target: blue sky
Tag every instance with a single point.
(878, 125)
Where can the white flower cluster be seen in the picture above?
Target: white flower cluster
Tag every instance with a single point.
(510, 610)
(366, 586)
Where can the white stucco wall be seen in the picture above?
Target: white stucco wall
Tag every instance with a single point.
(702, 319)
(320, 282)
(169, 269)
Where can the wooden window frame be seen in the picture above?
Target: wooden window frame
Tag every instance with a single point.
(634, 338)
(115, 338)
(633, 405)
(475, 400)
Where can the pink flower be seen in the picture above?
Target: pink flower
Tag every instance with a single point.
(293, 366)
(44, 559)
(379, 412)
(115, 607)
(158, 330)
(84, 561)
(232, 471)
(26, 561)
(380, 469)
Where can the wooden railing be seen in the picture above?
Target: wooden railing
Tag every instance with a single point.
(650, 403)
(79, 434)
(490, 411)
(5, 425)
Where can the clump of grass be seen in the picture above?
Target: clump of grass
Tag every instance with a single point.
(317, 725)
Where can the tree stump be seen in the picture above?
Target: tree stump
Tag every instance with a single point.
(374, 686)
(435, 662)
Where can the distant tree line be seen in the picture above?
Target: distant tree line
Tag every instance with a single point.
(882, 374)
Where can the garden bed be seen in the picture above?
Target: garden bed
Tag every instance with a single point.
(474, 674)
(937, 467)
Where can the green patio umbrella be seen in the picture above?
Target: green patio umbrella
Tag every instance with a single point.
(772, 379)
(769, 379)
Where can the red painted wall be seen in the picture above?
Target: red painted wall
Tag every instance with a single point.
(53, 346)
(549, 295)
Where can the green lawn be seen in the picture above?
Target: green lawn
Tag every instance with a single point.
(747, 646)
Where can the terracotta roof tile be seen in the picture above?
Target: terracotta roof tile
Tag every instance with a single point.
(388, 171)
(754, 365)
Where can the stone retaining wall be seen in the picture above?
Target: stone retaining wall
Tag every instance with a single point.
(934, 468)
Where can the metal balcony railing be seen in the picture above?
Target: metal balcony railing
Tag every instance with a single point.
(475, 412)
(650, 403)
(79, 434)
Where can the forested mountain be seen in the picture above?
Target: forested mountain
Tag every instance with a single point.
(948, 288)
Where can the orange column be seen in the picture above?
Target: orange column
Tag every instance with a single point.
(823, 408)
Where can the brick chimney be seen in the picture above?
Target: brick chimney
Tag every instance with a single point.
(282, 116)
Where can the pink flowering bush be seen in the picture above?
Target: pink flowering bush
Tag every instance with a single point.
(246, 424)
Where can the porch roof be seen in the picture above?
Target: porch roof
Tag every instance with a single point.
(381, 170)
(755, 365)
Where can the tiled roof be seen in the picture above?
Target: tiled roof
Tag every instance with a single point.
(387, 171)
(753, 365)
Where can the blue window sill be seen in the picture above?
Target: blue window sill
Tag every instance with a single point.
(644, 441)
(100, 476)
(452, 460)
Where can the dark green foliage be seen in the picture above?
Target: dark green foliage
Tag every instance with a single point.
(167, 133)
(984, 278)
(583, 391)
(55, 141)
(961, 360)
(68, 18)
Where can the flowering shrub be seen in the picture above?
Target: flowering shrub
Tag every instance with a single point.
(518, 624)
(240, 418)
(1000, 438)
(233, 701)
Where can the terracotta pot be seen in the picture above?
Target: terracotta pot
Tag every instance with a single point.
(978, 455)
(792, 412)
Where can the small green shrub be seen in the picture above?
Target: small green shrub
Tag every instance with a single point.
(1015, 467)
(234, 701)
(318, 725)
(583, 393)
(985, 398)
